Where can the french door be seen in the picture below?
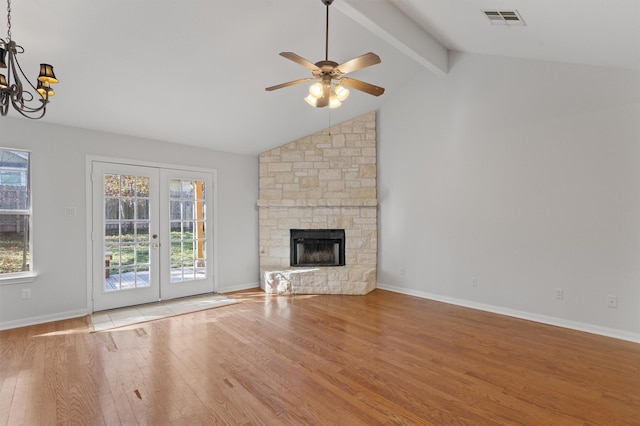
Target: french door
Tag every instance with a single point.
(152, 234)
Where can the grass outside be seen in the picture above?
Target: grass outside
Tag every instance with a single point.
(133, 250)
(11, 253)
(131, 253)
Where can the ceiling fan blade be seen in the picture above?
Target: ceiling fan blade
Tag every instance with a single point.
(362, 86)
(287, 84)
(358, 63)
(299, 60)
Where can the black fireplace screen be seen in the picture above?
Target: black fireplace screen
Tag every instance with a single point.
(317, 247)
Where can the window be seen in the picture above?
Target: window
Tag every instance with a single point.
(15, 212)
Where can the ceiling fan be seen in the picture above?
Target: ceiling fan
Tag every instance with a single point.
(331, 89)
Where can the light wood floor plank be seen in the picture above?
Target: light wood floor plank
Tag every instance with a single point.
(383, 358)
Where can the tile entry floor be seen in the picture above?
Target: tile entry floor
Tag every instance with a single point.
(104, 320)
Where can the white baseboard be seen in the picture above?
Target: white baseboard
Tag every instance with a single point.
(559, 322)
(6, 325)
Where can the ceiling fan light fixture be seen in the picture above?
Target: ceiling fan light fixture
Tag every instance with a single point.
(342, 93)
(311, 101)
(334, 102)
(316, 90)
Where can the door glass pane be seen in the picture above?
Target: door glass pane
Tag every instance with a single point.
(187, 214)
(126, 208)
(174, 188)
(111, 185)
(142, 209)
(126, 232)
(127, 185)
(111, 208)
(127, 235)
(142, 254)
(142, 231)
(188, 189)
(175, 210)
(187, 229)
(142, 186)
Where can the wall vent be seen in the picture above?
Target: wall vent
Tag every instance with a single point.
(509, 18)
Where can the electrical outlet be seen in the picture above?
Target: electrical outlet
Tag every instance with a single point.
(474, 282)
(612, 301)
(26, 293)
(559, 293)
(402, 270)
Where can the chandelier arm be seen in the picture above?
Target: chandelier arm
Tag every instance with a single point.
(28, 112)
(4, 103)
(42, 110)
(20, 104)
(15, 89)
(16, 93)
(23, 74)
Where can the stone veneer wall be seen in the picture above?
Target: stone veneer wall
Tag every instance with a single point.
(323, 181)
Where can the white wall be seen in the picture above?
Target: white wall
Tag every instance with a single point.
(524, 175)
(60, 242)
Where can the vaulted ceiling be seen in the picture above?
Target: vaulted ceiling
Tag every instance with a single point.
(194, 71)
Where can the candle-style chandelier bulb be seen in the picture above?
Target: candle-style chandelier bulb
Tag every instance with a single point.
(44, 89)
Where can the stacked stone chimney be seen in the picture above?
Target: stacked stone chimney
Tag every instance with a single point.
(323, 181)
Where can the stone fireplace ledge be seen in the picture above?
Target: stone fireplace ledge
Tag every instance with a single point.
(319, 203)
(354, 280)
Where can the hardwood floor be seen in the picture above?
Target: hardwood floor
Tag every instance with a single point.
(383, 358)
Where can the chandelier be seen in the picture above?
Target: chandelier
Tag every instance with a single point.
(12, 90)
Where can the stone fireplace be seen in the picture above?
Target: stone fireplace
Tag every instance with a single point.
(322, 182)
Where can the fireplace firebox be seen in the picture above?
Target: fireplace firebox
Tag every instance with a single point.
(317, 247)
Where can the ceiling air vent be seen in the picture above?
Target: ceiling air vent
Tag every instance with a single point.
(510, 18)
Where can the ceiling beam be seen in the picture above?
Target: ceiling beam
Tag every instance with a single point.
(394, 27)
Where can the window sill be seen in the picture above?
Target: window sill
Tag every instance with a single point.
(8, 279)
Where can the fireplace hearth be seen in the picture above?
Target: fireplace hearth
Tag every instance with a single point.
(317, 247)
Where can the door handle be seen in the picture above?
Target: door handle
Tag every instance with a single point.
(155, 245)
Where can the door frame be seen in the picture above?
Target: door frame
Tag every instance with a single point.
(89, 160)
